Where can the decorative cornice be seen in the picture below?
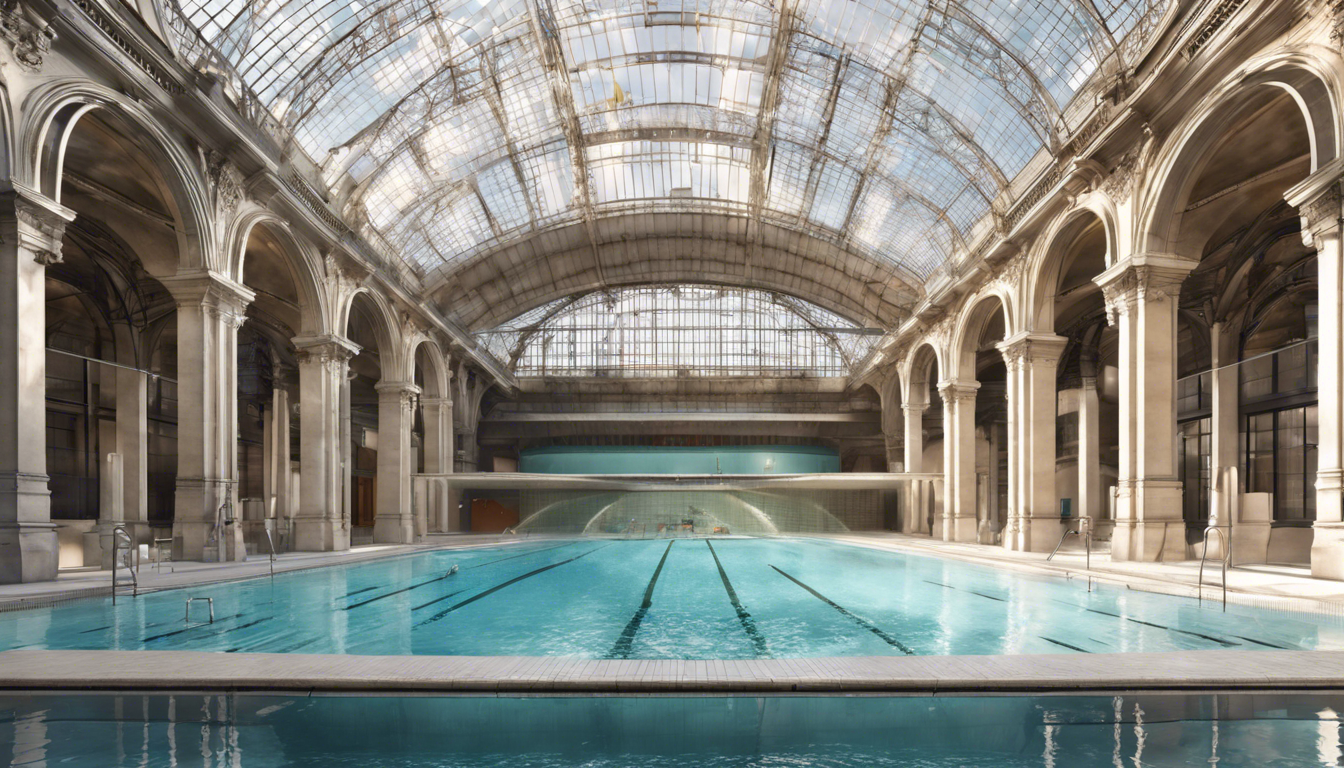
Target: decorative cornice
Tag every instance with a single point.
(1119, 184)
(112, 29)
(1215, 21)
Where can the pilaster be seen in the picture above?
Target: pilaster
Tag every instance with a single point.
(1031, 361)
(915, 519)
(394, 522)
(31, 229)
(1321, 229)
(438, 414)
(322, 523)
(1142, 295)
(210, 310)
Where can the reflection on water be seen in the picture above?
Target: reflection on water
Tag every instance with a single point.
(259, 731)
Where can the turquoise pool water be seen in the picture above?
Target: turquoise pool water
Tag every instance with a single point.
(261, 731)
(680, 599)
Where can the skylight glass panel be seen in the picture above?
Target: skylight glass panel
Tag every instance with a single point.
(835, 189)
(889, 222)
(680, 330)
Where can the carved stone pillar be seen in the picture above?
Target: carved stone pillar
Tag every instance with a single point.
(1032, 360)
(394, 522)
(276, 451)
(31, 228)
(322, 523)
(917, 499)
(1142, 293)
(438, 413)
(1091, 503)
(959, 512)
(210, 311)
(1321, 223)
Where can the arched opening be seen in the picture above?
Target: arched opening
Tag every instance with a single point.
(112, 422)
(1245, 354)
(1087, 463)
(976, 415)
(923, 439)
(360, 425)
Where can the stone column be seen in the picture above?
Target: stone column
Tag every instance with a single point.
(394, 522)
(209, 313)
(275, 452)
(1032, 361)
(959, 513)
(992, 480)
(322, 523)
(1321, 222)
(133, 444)
(1090, 502)
(31, 228)
(917, 498)
(1142, 294)
(438, 412)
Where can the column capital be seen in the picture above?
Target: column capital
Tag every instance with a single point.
(1319, 208)
(212, 291)
(914, 407)
(324, 349)
(958, 391)
(403, 389)
(1031, 348)
(440, 402)
(39, 222)
(1142, 278)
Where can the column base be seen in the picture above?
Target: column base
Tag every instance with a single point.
(960, 528)
(28, 552)
(1250, 543)
(320, 535)
(394, 530)
(1040, 534)
(1150, 527)
(1327, 551)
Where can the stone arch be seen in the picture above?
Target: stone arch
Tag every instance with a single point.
(1046, 264)
(1308, 75)
(305, 265)
(385, 327)
(437, 374)
(971, 324)
(917, 377)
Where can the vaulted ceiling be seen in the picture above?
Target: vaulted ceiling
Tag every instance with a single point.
(878, 132)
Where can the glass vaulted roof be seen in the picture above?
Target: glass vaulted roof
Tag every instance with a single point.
(886, 126)
(679, 330)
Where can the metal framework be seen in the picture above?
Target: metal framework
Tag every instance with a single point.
(680, 330)
(888, 126)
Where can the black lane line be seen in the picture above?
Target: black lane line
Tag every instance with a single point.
(1267, 645)
(245, 626)
(621, 650)
(188, 629)
(743, 617)
(512, 581)
(95, 629)
(1063, 644)
(843, 612)
(438, 599)
(1218, 640)
(398, 592)
(971, 591)
(515, 557)
(358, 591)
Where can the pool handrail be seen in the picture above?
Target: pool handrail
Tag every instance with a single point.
(119, 536)
(1226, 541)
(270, 543)
(1084, 531)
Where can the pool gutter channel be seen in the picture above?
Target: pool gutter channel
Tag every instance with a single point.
(1217, 671)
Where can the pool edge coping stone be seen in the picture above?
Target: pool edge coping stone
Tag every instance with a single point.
(177, 671)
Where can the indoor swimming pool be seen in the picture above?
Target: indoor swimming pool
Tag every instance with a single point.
(723, 598)
(265, 731)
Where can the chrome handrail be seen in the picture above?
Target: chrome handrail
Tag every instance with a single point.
(1084, 531)
(119, 536)
(1226, 541)
(270, 543)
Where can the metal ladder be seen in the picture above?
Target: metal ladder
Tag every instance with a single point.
(122, 542)
(270, 543)
(1226, 541)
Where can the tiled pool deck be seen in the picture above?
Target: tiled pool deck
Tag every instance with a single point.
(1284, 588)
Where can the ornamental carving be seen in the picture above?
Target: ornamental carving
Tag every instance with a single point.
(1119, 185)
(1011, 274)
(1334, 10)
(28, 35)
(1320, 214)
(227, 181)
